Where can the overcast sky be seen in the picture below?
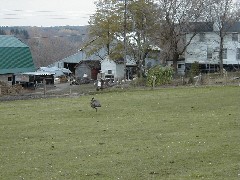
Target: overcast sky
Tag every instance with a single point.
(45, 12)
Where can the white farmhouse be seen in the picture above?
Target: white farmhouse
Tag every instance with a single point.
(204, 47)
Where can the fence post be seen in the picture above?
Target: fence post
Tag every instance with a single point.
(154, 81)
(45, 88)
(199, 79)
(208, 79)
(226, 78)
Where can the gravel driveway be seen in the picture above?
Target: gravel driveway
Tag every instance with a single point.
(57, 90)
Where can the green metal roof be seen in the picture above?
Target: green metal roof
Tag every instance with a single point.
(10, 41)
(15, 56)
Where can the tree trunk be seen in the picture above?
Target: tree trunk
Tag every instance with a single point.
(221, 54)
(140, 69)
(175, 60)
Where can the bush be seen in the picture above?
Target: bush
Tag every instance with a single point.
(195, 69)
(139, 82)
(163, 75)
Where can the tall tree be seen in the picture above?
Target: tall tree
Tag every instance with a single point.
(143, 25)
(105, 25)
(107, 28)
(177, 17)
(224, 14)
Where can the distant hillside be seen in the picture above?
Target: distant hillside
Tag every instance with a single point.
(50, 44)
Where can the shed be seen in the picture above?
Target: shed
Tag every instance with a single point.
(29, 79)
(88, 67)
(112, 68)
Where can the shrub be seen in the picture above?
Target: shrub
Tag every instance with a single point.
(195, 69)
(139, 82)
(163, 75)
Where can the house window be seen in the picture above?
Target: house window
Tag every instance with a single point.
(109, 71)
(180, 66)
(224, 55)
(9, 78)
(209, 53)
(238, 53)
(234, 37)
(201, 37)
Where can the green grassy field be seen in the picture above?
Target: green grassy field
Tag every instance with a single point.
(181, 133)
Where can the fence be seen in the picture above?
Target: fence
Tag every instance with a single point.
(210, 79)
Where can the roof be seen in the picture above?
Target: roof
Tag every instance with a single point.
(129, 62)
(198, 27)
(55, 70)
(89, 63)
(52, 69)
(211, 26)
(10, 41)
(202, 26)
(232, 27)
(37, 73)
(15, 56)
(81, 56)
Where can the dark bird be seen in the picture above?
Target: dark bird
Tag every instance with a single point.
(95, 104)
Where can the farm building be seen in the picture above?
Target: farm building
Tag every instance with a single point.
(112, 69)
(80, 59)
(205, 47)
(88, 67)
(31, 79)
(15, 57)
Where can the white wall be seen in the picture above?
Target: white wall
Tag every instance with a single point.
(106, 65)
(197, 51)
(180, 66)
(5, 78)
(117, 69)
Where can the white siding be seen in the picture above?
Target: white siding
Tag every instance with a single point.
(197, 51)
(117, 69)
(120, 71)
(106, 65)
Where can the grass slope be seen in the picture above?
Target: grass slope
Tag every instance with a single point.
(188, 133)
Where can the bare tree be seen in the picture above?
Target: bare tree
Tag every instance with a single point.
(224, 14)
(177, 17)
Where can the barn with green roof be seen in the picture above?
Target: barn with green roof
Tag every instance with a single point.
(15, 56)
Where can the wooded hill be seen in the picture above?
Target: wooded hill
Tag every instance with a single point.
(50, 44)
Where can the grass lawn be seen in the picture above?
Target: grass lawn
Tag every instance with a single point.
(171, 133)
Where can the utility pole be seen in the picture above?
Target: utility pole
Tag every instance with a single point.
(125, 43)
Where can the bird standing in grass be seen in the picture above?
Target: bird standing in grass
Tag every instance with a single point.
(95, 104)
